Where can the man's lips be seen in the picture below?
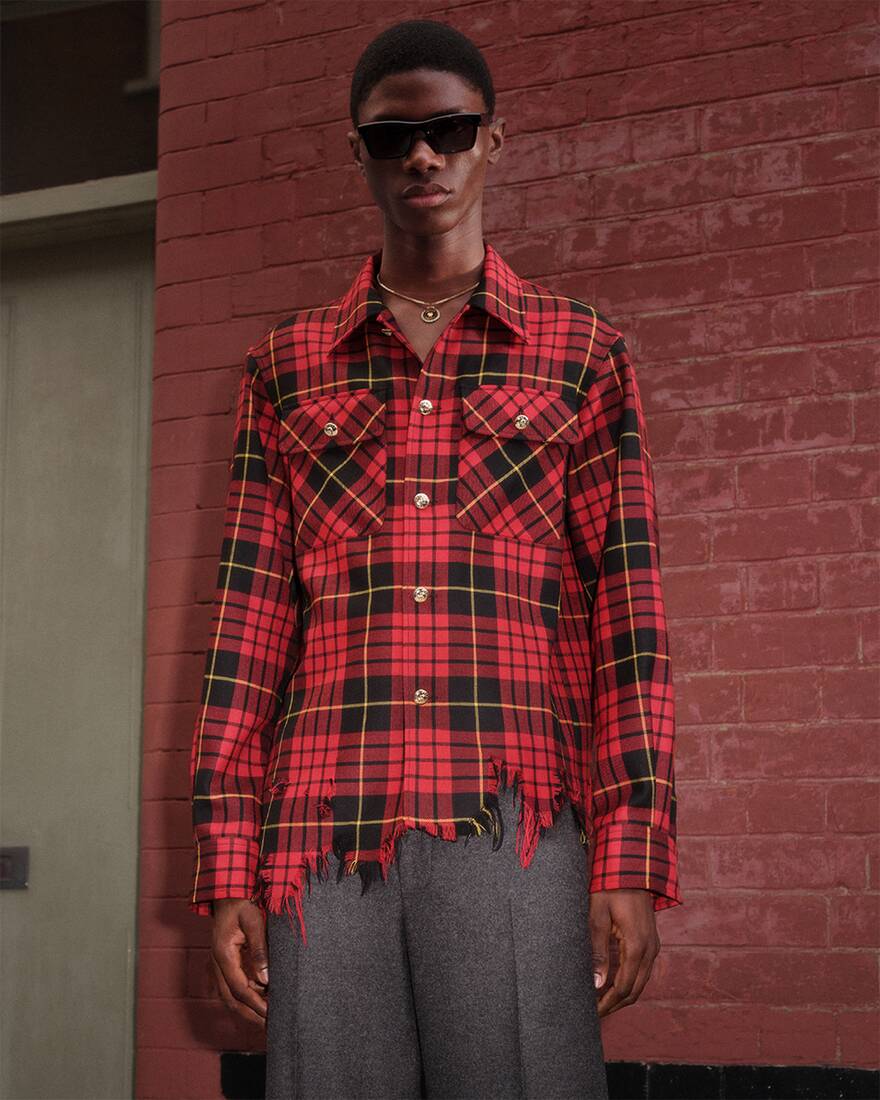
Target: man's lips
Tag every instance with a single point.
(425, 189)
(430, 194)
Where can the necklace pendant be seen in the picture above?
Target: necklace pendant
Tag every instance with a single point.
(430, 314)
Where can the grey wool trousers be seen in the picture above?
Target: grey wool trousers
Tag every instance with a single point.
(463, 977)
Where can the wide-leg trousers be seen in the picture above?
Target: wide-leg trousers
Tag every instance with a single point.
(463, 976)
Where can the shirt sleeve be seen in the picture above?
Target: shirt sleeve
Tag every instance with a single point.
(612, 520)
(254, 639)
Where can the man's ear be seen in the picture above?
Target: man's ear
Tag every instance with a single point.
(496, 139)
(355, 143)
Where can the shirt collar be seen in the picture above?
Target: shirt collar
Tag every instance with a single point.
(500, 293)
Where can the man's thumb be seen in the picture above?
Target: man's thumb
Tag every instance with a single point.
(600, 935)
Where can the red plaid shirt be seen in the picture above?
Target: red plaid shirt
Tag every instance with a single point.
(435, 578)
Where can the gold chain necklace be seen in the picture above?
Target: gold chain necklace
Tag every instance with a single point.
(430, 313)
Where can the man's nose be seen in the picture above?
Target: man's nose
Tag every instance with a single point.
(421, 154)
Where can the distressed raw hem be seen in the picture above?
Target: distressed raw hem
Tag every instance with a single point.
(536, 814)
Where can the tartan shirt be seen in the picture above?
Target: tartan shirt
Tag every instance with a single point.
(435, 579)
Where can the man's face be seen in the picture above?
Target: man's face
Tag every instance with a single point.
(414, 96)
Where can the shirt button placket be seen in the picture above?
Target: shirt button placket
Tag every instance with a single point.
(418, 556)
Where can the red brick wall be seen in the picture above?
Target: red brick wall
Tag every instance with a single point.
(702, 173)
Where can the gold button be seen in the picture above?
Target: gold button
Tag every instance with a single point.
(425, 406)
(521, 420)
(421, 500)
(330, 428)
(420, 594)
(421, 696)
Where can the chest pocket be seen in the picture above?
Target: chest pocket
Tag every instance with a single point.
(512, 459)
(335, 450)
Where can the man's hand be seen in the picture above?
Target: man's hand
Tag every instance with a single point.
(628, 915)
(240, 957)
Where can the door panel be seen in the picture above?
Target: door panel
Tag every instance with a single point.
(77, 329)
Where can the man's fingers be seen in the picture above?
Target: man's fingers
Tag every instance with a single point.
(639, 984)
(631, 953)
(232, 1002)
(232, 953)
(631, 976)
(631, 918)
(237, 981)
(238, 984)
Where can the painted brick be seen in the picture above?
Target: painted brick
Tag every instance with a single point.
(844, 56)
(781, 695)
(672, 134)
(851, 582)
(673, 183)
(768, 168)
(685, 542)
(770, 480)
(706, 590)
(844, 157)
(847, 368)
(865, 306)
(705, 174)
(214, 166)
(759, 271)
(727, 26)
(851, 692)
(859, 105)
(752, 222)
(741, 752)
(598, 245)
(849, 473)
(742, 122)
(857, 1037)
(697, 488)
(827, 638)
(690, 385)
(774, 806)
(747, 918)
(745, 428)
(693, 650)
(854, 806)
(666, 235)
(708, 699)
(800, 1037)
(782, 584)
(862, 206)
(855, 922)
(802, 864)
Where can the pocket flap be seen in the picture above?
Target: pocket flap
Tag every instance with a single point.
(520, 412)
(340, 419)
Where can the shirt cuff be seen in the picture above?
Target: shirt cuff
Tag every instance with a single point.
(224, 867)
(629, 856)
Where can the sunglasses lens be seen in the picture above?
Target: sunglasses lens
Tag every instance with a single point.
(387, 140)
(454, 135)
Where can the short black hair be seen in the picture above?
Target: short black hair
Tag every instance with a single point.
(420, 44)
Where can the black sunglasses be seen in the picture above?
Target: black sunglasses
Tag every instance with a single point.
(456, 133)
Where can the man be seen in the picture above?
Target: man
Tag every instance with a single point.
(439, 589)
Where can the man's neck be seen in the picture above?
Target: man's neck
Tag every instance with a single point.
(432, 267)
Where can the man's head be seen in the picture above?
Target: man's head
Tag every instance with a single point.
(420, 44)
(415, 71)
